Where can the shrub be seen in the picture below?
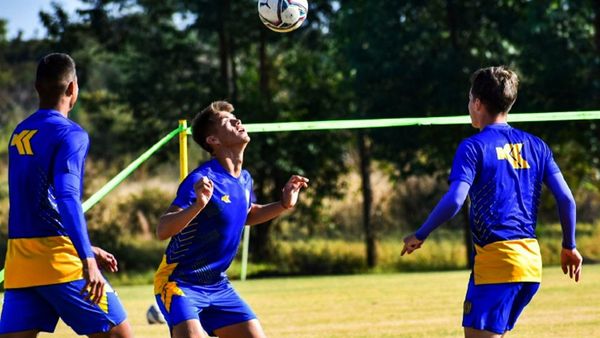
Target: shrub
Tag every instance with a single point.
(319, 257)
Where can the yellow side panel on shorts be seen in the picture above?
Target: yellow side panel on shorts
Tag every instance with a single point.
(41, 261)
(162, 286)
(508, 261)
(103, 304)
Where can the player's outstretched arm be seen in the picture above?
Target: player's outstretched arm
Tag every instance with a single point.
(176, 218)
(570, 259)
(260, 213)
(448, 206)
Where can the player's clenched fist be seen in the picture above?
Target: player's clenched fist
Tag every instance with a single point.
(204, 190)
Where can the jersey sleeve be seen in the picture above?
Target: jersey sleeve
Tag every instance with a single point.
(71, 154)
(550, 166)
(68, 169)
(186, 195)
(446, 208)
(566, 207)
(249, 187)
(252, 194)
(465, 164)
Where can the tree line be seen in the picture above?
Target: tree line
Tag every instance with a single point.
(144, 64)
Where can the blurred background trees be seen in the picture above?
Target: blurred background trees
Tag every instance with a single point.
(144, 64)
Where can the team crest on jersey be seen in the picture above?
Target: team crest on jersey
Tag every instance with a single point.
(512, 153)
(225, 198)
(22, 141)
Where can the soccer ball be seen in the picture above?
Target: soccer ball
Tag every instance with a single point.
(154, 316)
(282, 15)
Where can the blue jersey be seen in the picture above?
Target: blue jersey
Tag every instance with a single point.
(203, 250)
(505, 168)
(40, 251)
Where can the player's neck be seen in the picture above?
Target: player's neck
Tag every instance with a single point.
(231, 160)
(62, 106)
(488, 119)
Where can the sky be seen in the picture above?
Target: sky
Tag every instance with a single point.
(23, 15)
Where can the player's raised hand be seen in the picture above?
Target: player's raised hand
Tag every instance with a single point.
(105, 259)
(571, 262)
(411, 243)
(204, 190)
(291, 190)
(94, 281)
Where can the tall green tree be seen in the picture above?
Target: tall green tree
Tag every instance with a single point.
(414, 58)
(144, 68)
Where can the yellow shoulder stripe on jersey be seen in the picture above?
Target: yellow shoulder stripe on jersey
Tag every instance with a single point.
(22, 141)
(508, 261)
(41, 261)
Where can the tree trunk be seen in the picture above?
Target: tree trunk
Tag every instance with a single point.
(225, 47)
(451, 20)
(262, 244)
(364, 148)
(263, 66)
(233, 79)
(261, 234)
(261, 241)
(596, 5)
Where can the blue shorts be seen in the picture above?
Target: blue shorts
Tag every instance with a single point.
(496, 307)
(215, 305)
(38, 308)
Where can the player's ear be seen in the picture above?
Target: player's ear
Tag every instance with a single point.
(70, 89)
(212, 139)
(477, 104)
(72, 93)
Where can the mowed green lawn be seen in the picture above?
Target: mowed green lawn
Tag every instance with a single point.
(390, 305)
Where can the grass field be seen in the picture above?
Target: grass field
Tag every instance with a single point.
(390, 305)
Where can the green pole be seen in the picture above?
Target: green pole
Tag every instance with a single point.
(245, 246)
(413, 121)
(115, 181)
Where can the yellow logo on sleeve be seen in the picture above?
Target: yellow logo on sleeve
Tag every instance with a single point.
(22, 141)
(512, 153)
(225, 199)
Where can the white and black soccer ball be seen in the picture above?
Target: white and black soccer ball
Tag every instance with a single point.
(282, 15)
(154, 316)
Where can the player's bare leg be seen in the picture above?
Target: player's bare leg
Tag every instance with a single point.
(473, 333)
(122, 330)
(22, 334)
(188, 329)
(249, 329)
